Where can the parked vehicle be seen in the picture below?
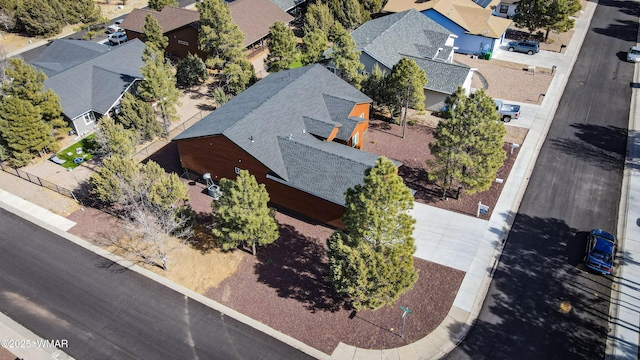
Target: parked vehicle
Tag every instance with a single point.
(524, 46)
(118, 38)
(634, 54)
(112, 29)
(601, 250)
(507, 111)
(119, 21)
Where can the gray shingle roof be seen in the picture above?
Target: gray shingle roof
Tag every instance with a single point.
(281, 106)
(95, 84)
(441, 76)
(322, 128)
(287, 5)
(411, 34)
(63, 54)
(341, 167)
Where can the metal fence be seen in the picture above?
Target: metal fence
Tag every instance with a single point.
(161, 142)
(38, 181)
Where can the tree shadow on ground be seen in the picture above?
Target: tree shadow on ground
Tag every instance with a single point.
(540, 304)
(297, 267)
(203, 239)
(624, 30)
(603, 146)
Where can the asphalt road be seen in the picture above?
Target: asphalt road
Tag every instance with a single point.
(61, 291)
(542, 304)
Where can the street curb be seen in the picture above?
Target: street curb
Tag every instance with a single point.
(27, 342)
(170, 284)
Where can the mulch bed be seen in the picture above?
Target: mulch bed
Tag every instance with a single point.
(286, 286)
(384, 138)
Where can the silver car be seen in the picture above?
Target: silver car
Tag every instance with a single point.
(634, 54)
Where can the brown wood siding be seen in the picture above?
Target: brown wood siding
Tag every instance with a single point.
(360, 109)
(333, 134)
(219, 156)
(184, 34)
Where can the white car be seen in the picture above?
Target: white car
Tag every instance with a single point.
(634, 54)
(111, 29)
(117, 38)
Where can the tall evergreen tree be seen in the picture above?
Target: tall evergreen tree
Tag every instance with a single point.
(282, 47)
(80, 11)
(314, 44)
(23, 130)
(349, 13)
(158, 5)
(372, 260)
(219, 36)
(530, 14)
(27, 83)
(239, 75)
(40, 17)
(318, 17)
(407, 82)
(159, 85)
(139, 115)
(114, 139)
(191, 71)
(241, 215)
(152, 33)
(468, 146)
(558, 15)
(346, 56)
(375, 86)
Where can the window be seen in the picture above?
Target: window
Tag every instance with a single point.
(355, 139)
(504, 9)
(88, 119)
(182, 42)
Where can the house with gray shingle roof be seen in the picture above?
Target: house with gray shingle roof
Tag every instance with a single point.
(89, 78)
(386, 40)
(299, 132)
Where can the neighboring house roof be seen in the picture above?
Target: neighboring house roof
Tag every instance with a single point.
(411, 34)
(63, 54)
(468, 15)
(443, 77)
(169, 19)
(273, 121)
(287, 5)
(94, 84)
(254, 17)
(508, 2)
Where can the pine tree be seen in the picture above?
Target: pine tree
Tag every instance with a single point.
(152, 33)
(468, 146)
(282, 48)
(318, 17)
(349, 13)
(558, 15)
(27, 83)
(23, 130)
(372, 260)
(530, 14)
(314, 44)
(239, 75)
(375, 87)
(158, 5)
(407, 82)
(139, 115)
(191, 71)
(219, 36)
(346, 56)
(40, 17)
(80, 11)
(241, 215)
(114, 139)
(111, 179)
(159, 85)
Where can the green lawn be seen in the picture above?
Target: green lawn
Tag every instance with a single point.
(297, 63)
(87, 144)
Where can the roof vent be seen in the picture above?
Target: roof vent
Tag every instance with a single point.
(251, 138)
(290, 136)
(304, 131)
